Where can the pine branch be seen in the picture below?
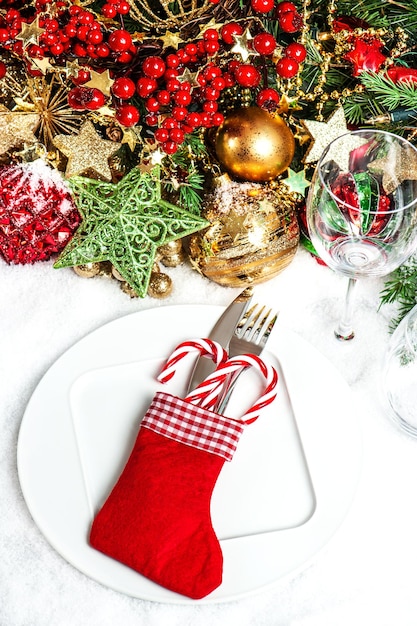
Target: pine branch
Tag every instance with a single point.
(401, 288)
(389, 94)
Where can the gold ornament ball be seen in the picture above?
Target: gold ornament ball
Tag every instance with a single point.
(160, 285)
(254, 145)
(253, 234)
(87, 270)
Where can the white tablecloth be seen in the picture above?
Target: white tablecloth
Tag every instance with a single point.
(365, 576)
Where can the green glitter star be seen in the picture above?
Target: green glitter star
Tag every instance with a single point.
(125, 223)
(296, 181)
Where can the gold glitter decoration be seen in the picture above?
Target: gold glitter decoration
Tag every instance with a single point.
(101, 81)
(160, 285)
(400, 163)
(29, 33)
(242, 45)
(16, 128)
(268, 237)
(87, 270)
(325, 132)
(254, 145)
(87, 152)
(167, 15)
(171, 40)
(48, 98)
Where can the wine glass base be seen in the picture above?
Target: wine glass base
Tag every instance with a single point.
(359, 257)
(344, 336)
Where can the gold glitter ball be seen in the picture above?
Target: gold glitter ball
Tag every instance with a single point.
(253, 234)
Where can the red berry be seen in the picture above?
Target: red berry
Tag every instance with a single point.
(285, 7)
(120, 40)
(177, 135)
(96, 101)
(123, 88)
(247, 75)
(217, 119)
(154, 67)
(296, 51)
(230, 29)
(108, 11)
(210, 34)
(145, 86)
(287, 67)
(169, 147)
(290, 22)
(182, 98)
(264, 43)
(123, 8)
(161, 134)
(262, 6)
(127, 115)
(267, 97)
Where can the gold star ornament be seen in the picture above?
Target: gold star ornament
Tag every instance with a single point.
(324, 133)
(242, 45)
(16, 128)
(30, 33)
(399, 164)
(87, 152)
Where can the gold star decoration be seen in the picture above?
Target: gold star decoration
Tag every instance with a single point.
(125, 223)
(189, 77)
(43, 65)
(16, 128)
(170, 40)
(233, 224)
(296, 181)
(29, 33)
(87, 152)
(399, 164)
(325, 132)
(241, 46)
(101, 81)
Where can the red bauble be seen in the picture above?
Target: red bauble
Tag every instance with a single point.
(366, 55)
(399, 74)
(37, 213)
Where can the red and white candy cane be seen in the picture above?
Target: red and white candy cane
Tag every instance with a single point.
(205, 347)
(215, 385)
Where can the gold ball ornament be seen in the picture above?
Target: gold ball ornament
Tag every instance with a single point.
(254, 145)
(87, 270)
(160, 285)
(253, 236)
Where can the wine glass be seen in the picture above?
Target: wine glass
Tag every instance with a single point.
(362, 208)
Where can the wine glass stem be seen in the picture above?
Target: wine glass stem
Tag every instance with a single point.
(344, 331)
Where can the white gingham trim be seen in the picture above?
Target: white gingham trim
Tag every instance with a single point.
(192, 425)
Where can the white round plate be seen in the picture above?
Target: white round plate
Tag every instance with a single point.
(275, 505)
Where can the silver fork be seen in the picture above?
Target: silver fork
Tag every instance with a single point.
(250, 337)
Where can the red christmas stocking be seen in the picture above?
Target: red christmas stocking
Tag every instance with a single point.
(157, 517)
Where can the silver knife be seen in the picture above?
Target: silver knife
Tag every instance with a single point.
(222, 332)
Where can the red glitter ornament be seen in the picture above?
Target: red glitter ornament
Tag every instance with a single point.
(37, 213)
(366, 55)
